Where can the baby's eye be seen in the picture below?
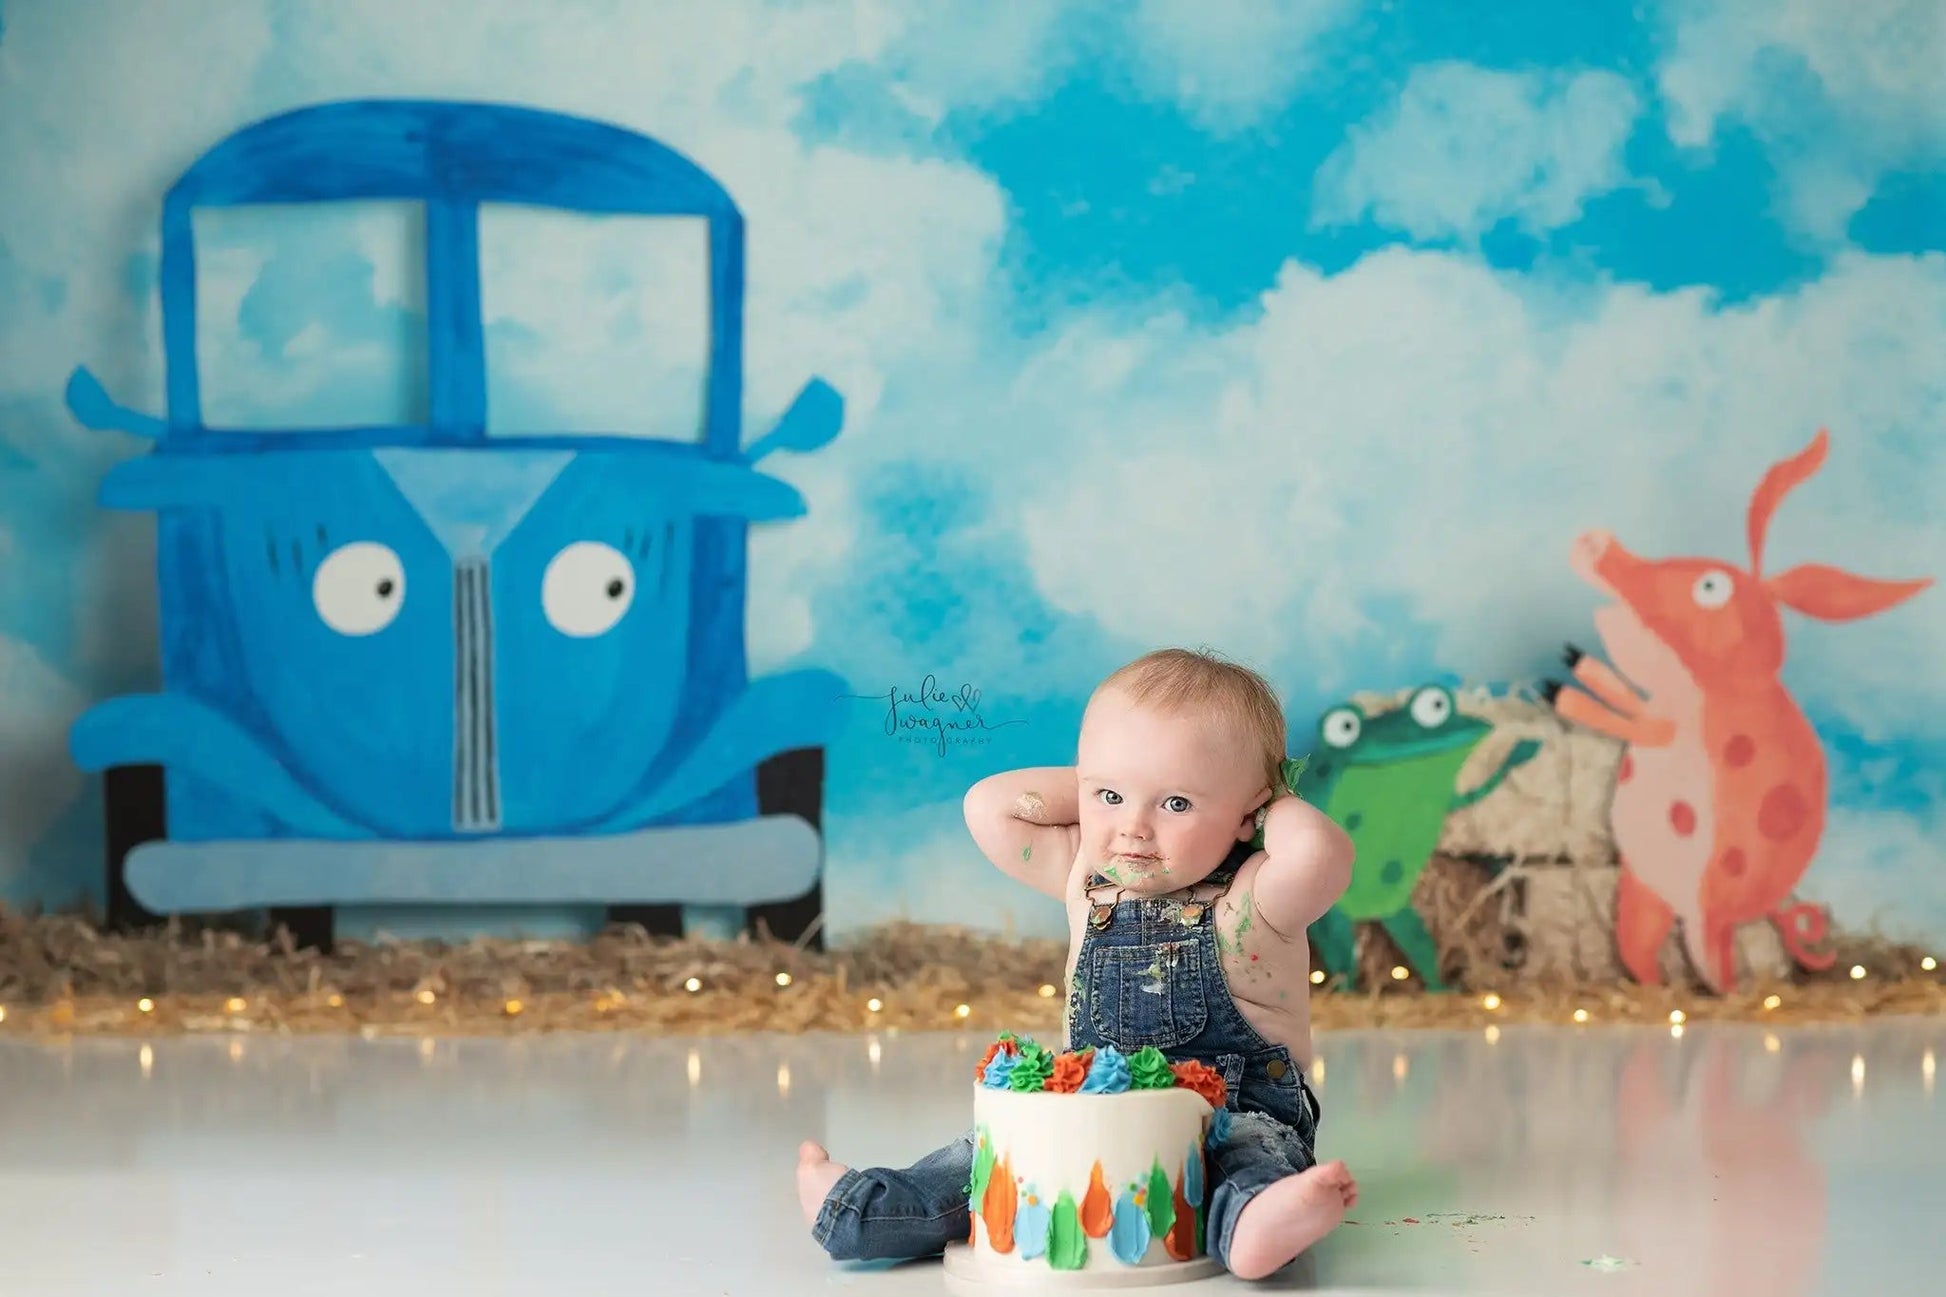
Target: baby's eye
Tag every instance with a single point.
(1176, 804)
(1109, 797)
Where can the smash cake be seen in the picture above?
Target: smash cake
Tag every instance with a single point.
(1088, 1168)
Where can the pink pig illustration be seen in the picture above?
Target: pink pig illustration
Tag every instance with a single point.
(1720, 796)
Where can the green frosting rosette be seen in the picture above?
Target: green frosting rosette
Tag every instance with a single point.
(1148, 1069)
(1031, 1069)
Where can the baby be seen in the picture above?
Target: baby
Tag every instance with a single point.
(1184, 934)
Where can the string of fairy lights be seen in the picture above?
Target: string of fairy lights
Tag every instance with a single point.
(609, 1000)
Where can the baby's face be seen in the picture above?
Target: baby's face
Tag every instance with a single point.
(1163, 798)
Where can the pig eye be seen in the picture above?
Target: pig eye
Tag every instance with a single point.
(1713, 589)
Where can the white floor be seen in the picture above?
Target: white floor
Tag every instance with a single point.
(1729, 1161)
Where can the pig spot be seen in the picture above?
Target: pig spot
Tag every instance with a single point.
(1732, 862)
(1740, 751)
(1353, 820)
(1782, 813)
(1392, 873)
(1682, 818)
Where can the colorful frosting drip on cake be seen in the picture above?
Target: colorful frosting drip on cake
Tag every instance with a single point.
(1159, 1210)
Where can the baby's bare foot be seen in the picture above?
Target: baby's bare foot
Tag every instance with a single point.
(1288, 1217)
(816, 1173)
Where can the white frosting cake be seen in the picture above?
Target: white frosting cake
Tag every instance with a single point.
(1086, 1189)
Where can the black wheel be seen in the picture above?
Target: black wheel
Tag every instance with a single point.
(134, 807)
(792, 783)
(134, 812)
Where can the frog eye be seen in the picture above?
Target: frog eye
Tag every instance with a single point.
(359, 588)
(1431, 707)
(1341, 727)
(586, 589)
(1713, 589)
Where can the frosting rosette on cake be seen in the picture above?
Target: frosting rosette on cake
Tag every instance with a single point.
(1203, 1079)
(1032, 1066)
(999, 1071)
(1148, 1069)
(1004, 1045)
(1108, 1074)
(1070, 1070)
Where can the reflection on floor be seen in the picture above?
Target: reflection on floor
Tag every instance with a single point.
(1723, 1161)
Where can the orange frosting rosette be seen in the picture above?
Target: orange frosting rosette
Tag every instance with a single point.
(1203, 1079)
(1070, 1070)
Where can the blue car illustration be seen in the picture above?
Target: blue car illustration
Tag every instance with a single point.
(424, 670)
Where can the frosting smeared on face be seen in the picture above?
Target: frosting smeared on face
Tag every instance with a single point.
(1164, 797)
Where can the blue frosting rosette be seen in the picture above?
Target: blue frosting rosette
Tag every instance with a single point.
(1108, 1074)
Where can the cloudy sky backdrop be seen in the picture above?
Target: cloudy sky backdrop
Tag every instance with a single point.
(1314, 332)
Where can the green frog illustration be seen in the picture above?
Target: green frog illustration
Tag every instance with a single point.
(1388, 781)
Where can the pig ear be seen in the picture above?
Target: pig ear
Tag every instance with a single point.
(1832, 595)
(1776, 485)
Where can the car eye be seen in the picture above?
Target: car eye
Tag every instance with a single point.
(587, 588)
(359, 588)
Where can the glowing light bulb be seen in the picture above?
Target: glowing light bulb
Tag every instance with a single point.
(1772, 1002)
(236, 1004)
(962, 1011)
(1317, 977)
(1580, 1015)
(426, 996)
(1929, 963)
(1490, 1002)
(875, 1004)
(145, 1004)
(1047, 990)
(1677, 1017)
(1857, 972)
(336, 1001)
(693, 985)
(1400, 972)
(783, 979)
(512, 1008)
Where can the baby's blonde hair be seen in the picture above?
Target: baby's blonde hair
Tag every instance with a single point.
(1178, 680)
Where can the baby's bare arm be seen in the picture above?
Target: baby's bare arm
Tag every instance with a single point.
(1025, 821)
(1307, 866)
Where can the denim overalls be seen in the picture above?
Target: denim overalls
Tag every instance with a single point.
(1149, 973)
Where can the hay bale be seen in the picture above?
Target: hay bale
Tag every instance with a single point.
(1564, 918)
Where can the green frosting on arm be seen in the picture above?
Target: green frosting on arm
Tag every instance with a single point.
(1067, 1246)
(1031, 1069)
(1148, 1069)
(1161, 1205)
